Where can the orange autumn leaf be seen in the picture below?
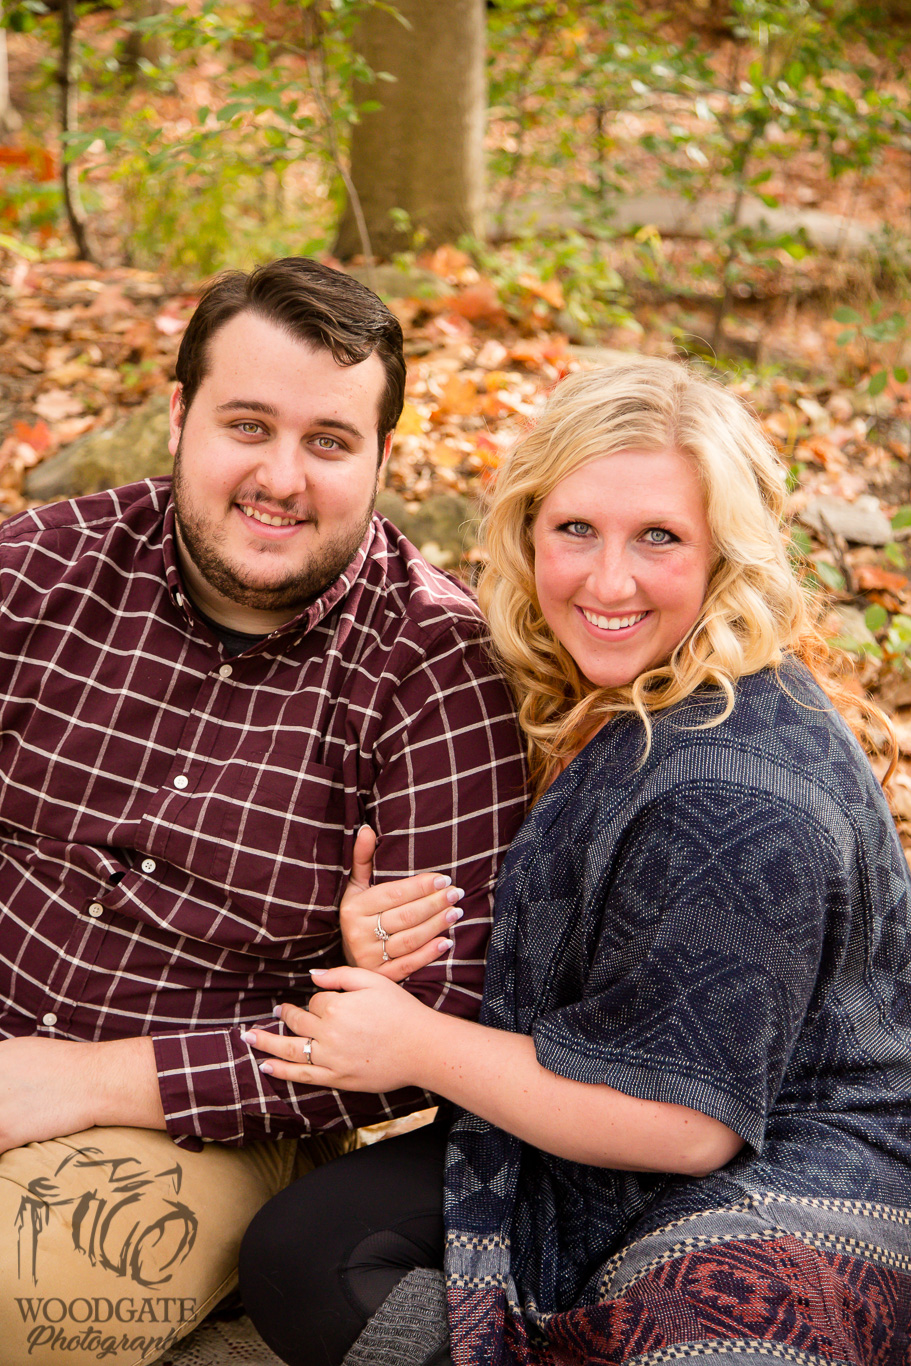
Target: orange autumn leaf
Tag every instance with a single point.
(549, 290)
(445, 457)
(871, 578)
(478, 303)
(410, 423)
(459, 398)
(37, 436)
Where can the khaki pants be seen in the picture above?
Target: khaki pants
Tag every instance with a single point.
(115, 1242)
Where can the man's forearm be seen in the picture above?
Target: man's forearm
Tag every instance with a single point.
(124, 1081)
(53, 1087)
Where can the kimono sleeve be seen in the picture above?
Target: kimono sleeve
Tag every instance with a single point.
(710, 942)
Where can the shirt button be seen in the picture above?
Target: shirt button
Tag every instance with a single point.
(181, 781)
(148, 865)
(225, 671)
(96, 909)
(49, 1019)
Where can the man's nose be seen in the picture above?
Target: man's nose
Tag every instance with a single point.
(281, 473)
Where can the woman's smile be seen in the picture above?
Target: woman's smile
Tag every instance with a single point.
(622, 557)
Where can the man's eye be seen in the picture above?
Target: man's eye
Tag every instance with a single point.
(659, 535)
(249, 428)
(326, 443)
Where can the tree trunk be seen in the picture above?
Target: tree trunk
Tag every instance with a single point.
(72, 200)
(9, 119)
(422, 151)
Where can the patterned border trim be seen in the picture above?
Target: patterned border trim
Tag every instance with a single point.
(868, 1208)
(733, 1347)
(825, 1242)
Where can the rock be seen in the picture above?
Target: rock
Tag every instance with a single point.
(400, 282)
(135, 448)
(674, 215)
(852, 626)
(862, 521)
(444, 528)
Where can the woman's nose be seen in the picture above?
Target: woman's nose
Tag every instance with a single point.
(611, 578)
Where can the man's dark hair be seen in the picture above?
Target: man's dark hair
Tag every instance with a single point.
(315, 304)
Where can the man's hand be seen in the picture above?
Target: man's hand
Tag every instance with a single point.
(53, 1087)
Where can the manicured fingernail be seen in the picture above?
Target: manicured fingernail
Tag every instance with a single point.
(266, 1067)
(454, 916)
(249, 1036)
(444, 945)
(318, 972)
(455, 894)
(440, 882)
(277, 1012)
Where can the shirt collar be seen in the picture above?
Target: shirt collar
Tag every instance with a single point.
(306, 620)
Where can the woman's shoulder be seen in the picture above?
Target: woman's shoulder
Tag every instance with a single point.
(783, 737)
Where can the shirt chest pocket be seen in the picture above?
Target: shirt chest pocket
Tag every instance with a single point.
(280, 843)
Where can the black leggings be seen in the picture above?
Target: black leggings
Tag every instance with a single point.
(320, 1258)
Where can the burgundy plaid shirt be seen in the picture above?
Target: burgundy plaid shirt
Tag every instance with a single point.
(176, 826)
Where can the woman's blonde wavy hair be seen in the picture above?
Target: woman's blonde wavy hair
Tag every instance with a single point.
(756, 611)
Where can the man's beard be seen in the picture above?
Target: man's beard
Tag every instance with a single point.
(296, 590)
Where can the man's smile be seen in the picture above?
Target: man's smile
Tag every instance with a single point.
(269, 518)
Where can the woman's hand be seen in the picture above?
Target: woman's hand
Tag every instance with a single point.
(414, 912)
(363, 1034)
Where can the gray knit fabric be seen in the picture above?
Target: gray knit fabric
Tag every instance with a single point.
(409, 1328)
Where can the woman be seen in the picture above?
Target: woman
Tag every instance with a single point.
(685, 1118)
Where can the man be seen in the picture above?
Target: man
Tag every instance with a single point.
(205, 690)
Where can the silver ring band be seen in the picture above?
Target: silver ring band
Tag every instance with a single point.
(307, 1045)
(380, 933)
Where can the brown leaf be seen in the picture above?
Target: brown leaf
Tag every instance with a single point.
(57, 403)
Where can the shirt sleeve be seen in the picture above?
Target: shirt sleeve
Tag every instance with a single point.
(710, 945)
(449, 794)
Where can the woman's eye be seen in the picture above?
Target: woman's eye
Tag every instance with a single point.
(575, 528)
(657, 535)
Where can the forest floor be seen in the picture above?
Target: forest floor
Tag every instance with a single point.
(82, 345)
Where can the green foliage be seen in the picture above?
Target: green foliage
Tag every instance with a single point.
(589, 295)
(790, 86)
(200, 194)
(878, 330)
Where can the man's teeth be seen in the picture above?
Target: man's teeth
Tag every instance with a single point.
(267, 517)
(612, 623)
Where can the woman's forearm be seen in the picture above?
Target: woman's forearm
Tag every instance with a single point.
(496, 1075)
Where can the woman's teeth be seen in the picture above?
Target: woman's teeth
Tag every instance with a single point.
(612, 623)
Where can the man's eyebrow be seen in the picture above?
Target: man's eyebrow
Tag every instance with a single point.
(253, 405)
(248, 405)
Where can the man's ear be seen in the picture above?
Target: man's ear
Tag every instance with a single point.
(176, 416)
(387, 447)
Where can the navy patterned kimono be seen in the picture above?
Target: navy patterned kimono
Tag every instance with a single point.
(725, 927)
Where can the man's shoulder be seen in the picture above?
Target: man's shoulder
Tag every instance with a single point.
(419, 598)
(135, 506)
